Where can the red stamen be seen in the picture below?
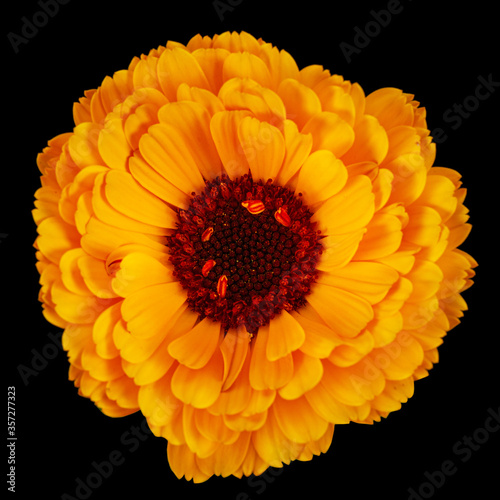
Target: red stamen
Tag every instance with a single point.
(254, 206)
(207, 233)
(282, 217)
(207, 267)
(222, 286)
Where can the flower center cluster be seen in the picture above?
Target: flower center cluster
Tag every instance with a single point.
(244, 251)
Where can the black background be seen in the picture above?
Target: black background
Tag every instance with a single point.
(434, 52)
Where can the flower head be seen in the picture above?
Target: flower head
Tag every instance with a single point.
(246, 252)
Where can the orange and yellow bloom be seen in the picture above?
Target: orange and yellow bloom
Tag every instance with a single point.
(246, 252)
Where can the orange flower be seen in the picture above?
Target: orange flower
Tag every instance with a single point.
(246, 252)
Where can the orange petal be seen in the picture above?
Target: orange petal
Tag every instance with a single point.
(266, 374)
(234, 349)
(307, 372)
(224, 128)
(285, 336)
(199, 388)
(195, 348)
(149, 310)
(344, 312)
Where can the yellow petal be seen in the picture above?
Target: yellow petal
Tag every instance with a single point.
(121, 217)
(139, 270)
(273, 446)
(55, 238)
(156, 184)
(321, 176)
(383, 237)
(113, 145)
(280, 63)
(211, 61)
(334, 98)
(77, 308)
(330, 132)
(400, 358)
(245, 65)
(370, 143)
(82, 145)
(339, 249)
(102, 332)
(246, 94)
(212, 427)
(266, 374)
(409, 180)
(198, 443)
(298, 147)
(199, 388)
(300, 101)
(353, 349)
(263, 146)
(349, 210)
(70, 272)
(96, 278)
(424, 226)
(192, 123)
(227, 458)
(183, 464)
(390, 107)
(439, 194)
(201, 96)
(369, 280)
(426, 278)
(166, 150)
(101, 239)
(298, 421)
(320, 339)
(307, 372)
(176, 66)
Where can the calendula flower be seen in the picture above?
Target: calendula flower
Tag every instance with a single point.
(246, 252)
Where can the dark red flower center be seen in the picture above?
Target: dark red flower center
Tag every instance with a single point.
(244, 251)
